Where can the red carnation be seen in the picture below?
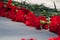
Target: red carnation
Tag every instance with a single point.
(55, 38)
(23, 39)
(55, 24)
(9, 2)
(1, 4)
(20, 16)
(43, 18)
(43, 22)
(45, 26)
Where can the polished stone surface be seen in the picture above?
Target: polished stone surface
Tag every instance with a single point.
(10, 30)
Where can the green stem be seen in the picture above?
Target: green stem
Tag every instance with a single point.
(55, 6)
